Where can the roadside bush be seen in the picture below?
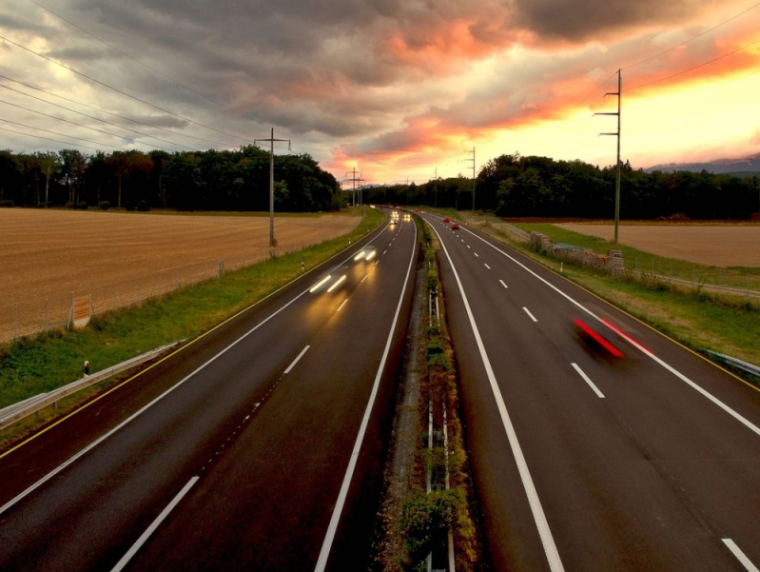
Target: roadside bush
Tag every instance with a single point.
(104, 205)
(426, 516)
(7, 204)
(81, 206)
(143, 206)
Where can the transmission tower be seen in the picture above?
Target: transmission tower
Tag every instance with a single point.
(354, 178)
(272, 241)
(472, 160)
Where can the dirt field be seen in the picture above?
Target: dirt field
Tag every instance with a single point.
(120, 258)
(704, 244)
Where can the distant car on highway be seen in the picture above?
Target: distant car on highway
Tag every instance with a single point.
(446, 219)
(454, 226)
(407, 216)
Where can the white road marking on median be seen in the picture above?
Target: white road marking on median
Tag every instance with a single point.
(532, 317)
(736, 415)
(332, 528)
(152, 528)
(486, 265)
(298, 357)
(539, 517)
(740, 556)
(502, 283)
(343, 304)
(591, 384)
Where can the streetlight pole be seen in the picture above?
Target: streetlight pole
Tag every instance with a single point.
(272, 241)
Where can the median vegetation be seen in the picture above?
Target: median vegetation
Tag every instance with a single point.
(30, 366)
(441, 497)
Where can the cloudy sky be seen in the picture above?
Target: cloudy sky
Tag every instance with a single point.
(399, 89)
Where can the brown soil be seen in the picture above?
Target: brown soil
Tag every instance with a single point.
(704, 244)
(48, 256)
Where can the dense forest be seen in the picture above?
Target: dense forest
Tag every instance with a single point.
(512, 185)
(197, 180)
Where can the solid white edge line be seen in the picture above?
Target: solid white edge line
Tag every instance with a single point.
(142, 410)
(341, 306)
(532, 317)
(539, 517)
(740, 556)
(299, 356)
(503, 284)
(586, 378)
(736, 415)
(332, 528)
(154, 525)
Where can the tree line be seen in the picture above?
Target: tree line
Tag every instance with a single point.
(517, 186)
(194, 180)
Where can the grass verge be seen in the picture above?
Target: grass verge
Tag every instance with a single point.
(30, 366)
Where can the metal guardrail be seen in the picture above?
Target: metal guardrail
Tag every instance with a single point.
(737, 363)
(23, 409)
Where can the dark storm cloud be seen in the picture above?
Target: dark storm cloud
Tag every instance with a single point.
(577, 21)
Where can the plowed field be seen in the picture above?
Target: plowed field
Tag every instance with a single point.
(722, 245)
(119, 258)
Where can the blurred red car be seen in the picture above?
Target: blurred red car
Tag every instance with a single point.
(446, 219)
(454, 226)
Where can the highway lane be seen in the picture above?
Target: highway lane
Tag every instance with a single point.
(232, 417)
(645, 462)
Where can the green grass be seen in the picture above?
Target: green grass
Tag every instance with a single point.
(29, 367)
(638, 260)
(694, 318)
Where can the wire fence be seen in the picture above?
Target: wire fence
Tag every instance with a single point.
(34, 314)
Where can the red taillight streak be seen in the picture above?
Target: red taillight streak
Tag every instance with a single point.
(599, 339)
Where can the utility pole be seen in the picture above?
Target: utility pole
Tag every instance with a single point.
(619, 95)
(435, 187)
(473, 177)
(272, 241)
(354, 179)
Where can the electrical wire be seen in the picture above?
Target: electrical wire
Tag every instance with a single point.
(47, 138)
(127, 55)
(703, 64)
(53, 132)
(690, 40)
(110, 113)
(125, 138)
(117, 90)
(93, 117)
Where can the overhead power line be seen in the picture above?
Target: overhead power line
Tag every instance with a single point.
(691, 39)
(92, 117)
(111, 113)
(54, 132)
(67, 121)
(703, 64)
(124, 93)
(45, 138)
(127, 55)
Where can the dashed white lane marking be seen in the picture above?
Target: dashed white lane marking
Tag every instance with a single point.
(343, 304)
(740, 556)
(532, 317)
(591, 384)
(476, 255)
(486, 265)
(384, 251)
(502, 283)
(377, 261)
(732, 412)
(154, 525)
(539, 516)
(468, 246)
(365, 277)
(295, 361)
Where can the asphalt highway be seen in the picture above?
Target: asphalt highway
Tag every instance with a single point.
(257, 447)
(584, 460)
